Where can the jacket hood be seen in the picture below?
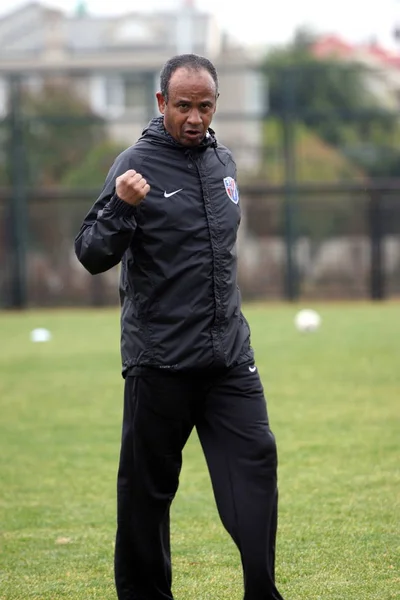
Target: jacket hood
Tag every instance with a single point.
(156, 131)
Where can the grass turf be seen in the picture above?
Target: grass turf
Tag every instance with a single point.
(334, 404)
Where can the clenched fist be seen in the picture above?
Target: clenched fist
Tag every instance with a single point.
(131, 187)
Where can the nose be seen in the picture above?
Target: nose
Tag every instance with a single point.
(194, 117)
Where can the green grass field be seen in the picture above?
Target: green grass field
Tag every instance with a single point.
(334, 404)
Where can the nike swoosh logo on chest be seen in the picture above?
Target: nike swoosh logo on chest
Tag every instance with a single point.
(168, 195)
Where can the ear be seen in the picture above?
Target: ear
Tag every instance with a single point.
(161, 102)
(215, 105)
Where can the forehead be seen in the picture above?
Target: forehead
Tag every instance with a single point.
(191, 82)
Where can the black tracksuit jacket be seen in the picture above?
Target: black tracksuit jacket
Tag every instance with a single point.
(181, 307)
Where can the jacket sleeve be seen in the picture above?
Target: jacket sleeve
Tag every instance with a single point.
(109, 226)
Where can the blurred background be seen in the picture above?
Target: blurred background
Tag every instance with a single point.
(310, 106)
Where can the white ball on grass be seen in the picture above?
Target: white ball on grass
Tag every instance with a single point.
(307, 320)
(40, 335)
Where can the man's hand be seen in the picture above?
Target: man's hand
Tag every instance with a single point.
(131, 187)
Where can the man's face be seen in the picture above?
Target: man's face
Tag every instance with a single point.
(190, 107)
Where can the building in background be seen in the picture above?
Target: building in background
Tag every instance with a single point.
(113, 63)
(382, 66)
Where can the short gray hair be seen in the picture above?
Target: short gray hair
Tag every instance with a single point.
(190, 61)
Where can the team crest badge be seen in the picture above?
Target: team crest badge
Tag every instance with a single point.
(231, 189)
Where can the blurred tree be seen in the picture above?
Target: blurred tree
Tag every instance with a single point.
(56, 132)
(60, 130)
(335, 100)
(92, 171)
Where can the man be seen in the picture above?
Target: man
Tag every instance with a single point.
(170, 210)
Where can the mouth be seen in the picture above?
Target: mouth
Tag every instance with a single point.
(193, 134)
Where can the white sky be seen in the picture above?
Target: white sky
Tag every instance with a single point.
(266, 21)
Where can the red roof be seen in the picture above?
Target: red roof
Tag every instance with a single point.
(334, 46)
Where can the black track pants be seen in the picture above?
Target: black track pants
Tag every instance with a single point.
(229, 412)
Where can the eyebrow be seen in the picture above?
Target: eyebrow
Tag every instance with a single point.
(186, 101)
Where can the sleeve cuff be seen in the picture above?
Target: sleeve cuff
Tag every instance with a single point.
(120, 207)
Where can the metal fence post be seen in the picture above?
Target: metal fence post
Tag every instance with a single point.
(377, 277)
(288, 123)
(18, 208)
